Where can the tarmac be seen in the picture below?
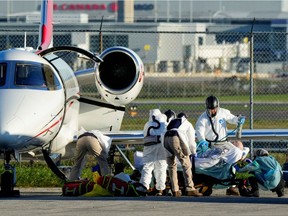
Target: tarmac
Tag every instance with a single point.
(49, 201)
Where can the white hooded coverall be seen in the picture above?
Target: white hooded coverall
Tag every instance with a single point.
(92, 142)
(154, 155)
(204, 128)
(204, 131)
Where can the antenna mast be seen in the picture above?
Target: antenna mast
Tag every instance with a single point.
(100, 37)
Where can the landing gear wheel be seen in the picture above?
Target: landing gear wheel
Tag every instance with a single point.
(7, 183)
(8, 178)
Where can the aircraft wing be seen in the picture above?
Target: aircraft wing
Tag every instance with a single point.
(126, 137)
(261, 134)
(136, 137)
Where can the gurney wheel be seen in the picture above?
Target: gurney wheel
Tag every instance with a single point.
(206, 190)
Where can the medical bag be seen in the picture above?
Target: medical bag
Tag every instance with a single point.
(119, 187)
(77, 188)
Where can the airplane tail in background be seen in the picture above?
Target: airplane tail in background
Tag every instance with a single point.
(46, 26)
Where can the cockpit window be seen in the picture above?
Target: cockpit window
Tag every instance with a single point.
(35, 75)
(3, 69)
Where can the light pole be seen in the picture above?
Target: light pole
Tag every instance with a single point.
(8, 11)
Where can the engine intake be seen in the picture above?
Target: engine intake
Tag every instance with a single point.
(120, 76)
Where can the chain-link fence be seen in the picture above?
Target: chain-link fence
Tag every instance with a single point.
(247, 69)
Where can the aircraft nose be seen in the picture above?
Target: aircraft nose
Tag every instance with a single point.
(10, 106)
(10, 126)
(10, 123)
(10, 132)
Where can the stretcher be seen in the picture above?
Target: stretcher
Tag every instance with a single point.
(218, 169)
(220, 175)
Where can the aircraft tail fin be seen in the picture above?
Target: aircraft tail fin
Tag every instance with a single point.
(46, 26)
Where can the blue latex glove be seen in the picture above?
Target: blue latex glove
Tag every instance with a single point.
(241, 120)
(203, 145)
(248, 160)
(237, 168)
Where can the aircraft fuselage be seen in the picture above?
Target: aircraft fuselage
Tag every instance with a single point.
(35, 100)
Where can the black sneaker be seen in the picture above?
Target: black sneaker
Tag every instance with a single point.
(255, 193)
(245, 193)
(280, 193)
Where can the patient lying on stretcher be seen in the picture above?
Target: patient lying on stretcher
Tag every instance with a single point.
(217, 161)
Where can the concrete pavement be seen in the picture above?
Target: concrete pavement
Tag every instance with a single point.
(48, 201)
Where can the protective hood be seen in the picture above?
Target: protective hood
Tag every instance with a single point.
(261, 152)
(170, 115)
(154, 112)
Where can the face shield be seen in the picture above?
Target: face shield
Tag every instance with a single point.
(212, 112)
(212, 105)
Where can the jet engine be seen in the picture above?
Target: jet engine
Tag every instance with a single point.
(119, 78)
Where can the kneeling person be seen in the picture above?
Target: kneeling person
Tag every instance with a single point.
(267, 172)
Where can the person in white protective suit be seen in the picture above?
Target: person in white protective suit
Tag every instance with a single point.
(154, 154)
(92, 142)
(211, 131)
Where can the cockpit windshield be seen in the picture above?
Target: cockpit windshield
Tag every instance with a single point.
(3, 71)
(35, 75)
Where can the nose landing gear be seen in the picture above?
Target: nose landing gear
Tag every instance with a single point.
(8, 179)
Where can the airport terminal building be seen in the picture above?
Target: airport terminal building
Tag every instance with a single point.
(151, 11)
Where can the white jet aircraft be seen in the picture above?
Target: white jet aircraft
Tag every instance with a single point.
(41, 105)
